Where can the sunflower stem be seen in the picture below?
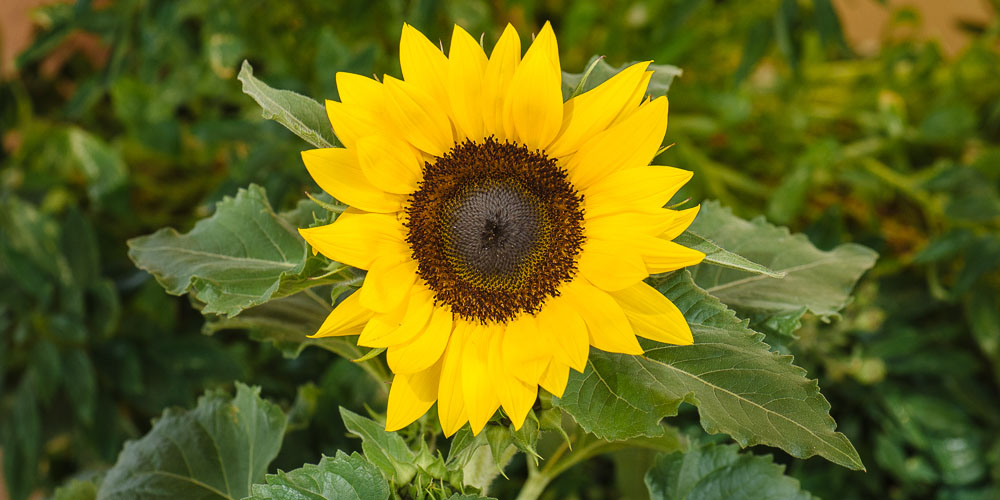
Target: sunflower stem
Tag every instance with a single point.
(535, 485)
(560, 461)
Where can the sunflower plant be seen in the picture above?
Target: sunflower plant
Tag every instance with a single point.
(497, 248)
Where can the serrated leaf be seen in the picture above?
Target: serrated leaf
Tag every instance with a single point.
(598, 71)
(215, 451)
(739, 386)
(301, 115)
(720, 472)
(387, 450)
(347, 477)
(820, 280)
(714, 254)
(243, 255)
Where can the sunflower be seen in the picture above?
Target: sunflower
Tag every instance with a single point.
(504, 231)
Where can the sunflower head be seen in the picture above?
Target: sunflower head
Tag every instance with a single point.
(504, 231)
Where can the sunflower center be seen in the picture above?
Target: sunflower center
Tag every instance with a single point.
(495, 230)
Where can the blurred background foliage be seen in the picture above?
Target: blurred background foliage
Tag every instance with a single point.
(126, 116)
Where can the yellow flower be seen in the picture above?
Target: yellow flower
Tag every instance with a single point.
(504, 231)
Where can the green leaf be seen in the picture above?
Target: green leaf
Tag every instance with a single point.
(21, 440)
(599, 71)
(720, 472)
(334, 478)
(215, 451)
(77, 490)
(758, 40)
(820, 280)
(828, 25)
(387, 450)
(738, 385)
(458, 496)
(305, 117)
(286, 323)
(80, 380)
(983, 317)
(786, 35)
(101, 165)
(81, 250)
(714, 254)
(242, 256)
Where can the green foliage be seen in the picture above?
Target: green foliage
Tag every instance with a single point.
(242, 256)
(739, 387)
(333, 478)
(215, 451)
(716, 255)
(820, 281)
(298, 113)
(387, 450)
(715, 471)
(77, 490)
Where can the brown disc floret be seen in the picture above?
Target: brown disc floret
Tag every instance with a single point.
(495, 229)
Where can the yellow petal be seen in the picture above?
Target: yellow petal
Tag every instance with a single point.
(640, 188)
(653, 316)
(567, 331)
(381, 325)
(351, 122)
(525, 351)
(555, 377)
(534, 102)
(359, 239)
(410, 396)
(419, 306)
(358, 90)
(611, 265)
(466, 70)
(624, 225)
(638, 97)
(425, 348)
(504, 60)
(387, 283)
(345, 318)
(451, 400)
(423, 64)
(663, 256)
(337, 171)
(631, 143)
(515, 396)
(417, 117)
(607, 325)
(682, 221)
(591, 112)
(389, 164)
(481, 399)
